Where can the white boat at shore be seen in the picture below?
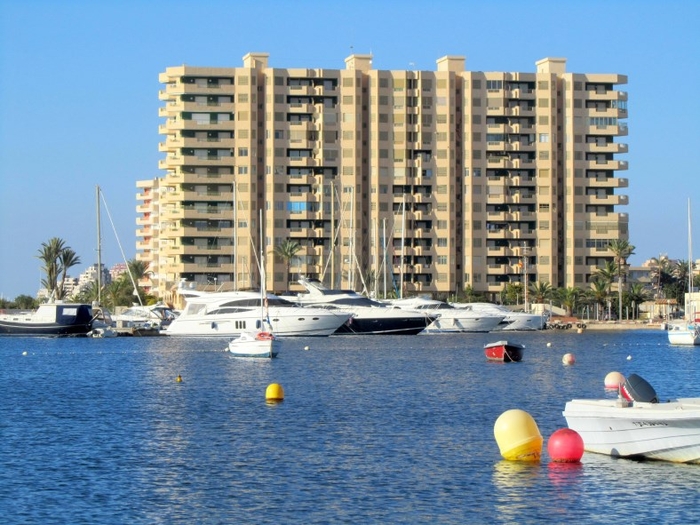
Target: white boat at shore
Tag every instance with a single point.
(449, 319)
(636, 425)
(686, 334)
(512, 321)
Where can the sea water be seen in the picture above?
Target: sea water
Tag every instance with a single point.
(373, 429)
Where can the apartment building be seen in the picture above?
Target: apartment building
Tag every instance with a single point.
(413, 182)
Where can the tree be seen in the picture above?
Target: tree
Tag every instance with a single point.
(287, 250)
(540, 291)
(599, 291)
(68, 258)
(569, 298)
(622, 250)
(58, 259)
(512, 293)
(636, 295)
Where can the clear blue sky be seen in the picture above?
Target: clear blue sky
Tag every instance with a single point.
(79, 94)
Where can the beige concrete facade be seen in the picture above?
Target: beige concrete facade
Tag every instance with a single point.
(425, 181)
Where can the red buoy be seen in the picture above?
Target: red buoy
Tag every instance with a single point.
(565, 446)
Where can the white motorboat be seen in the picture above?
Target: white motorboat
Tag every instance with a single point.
(152, 316)
(228, 314)
(511, 320)
(254, 344)
(449, 319)
(636, 425)
(368, 316)
(687, 334)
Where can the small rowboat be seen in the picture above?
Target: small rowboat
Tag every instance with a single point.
(504, 351)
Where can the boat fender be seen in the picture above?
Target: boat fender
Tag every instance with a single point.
(637, 389)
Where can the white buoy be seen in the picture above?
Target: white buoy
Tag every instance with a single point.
(306, 348)
(549, 344)
(629, 358)
(24, 353)
(568, 359)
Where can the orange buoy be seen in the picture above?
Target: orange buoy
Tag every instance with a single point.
(613, 380)
(565, 446)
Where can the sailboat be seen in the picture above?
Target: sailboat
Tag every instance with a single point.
(686, 332)
(261, 342)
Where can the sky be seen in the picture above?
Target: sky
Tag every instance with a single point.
(79, 95)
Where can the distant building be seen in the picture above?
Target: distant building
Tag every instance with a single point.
(414, 181)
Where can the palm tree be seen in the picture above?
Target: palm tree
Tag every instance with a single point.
(67, 259)
(287, 250)
(58, 259)
(622, 250)
(599, 291)
(569, 298)
(636, 295)
(540, 291)
(606, 273)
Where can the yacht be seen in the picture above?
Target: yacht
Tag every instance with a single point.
(449, 319)
(512, 320)
(228, 314)
(368, 316)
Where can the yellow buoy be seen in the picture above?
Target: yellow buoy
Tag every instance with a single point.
(517, 436)
(274, 392)
(178, 379)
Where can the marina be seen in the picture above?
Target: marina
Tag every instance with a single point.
(390, 429)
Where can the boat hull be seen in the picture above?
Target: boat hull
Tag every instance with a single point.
(662, 431)
(252, 346)
(684, 335)
(504, 351)
(384, 325)
(446, 324)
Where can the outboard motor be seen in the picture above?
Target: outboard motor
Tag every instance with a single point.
(637, 389)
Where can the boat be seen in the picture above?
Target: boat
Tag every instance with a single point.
(636, 425)
(368, 316)
(50, 319)
(260, 343)
(512, 321)
(504, 351)
(686, 332)
(254, 344)
(144, 317)
(228, 314)
(449, 319)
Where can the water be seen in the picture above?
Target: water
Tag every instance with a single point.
(372, 430)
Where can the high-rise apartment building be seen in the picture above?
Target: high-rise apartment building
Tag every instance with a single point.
(412, 181)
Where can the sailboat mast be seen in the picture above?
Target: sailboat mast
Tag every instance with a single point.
(99, 245)
(403, 241)
(263, 284)
(235, 239)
